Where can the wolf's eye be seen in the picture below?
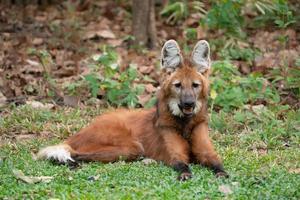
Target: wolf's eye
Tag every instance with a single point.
(177, 85)
(195, 85)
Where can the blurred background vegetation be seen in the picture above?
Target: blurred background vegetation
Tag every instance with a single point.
(84, 52)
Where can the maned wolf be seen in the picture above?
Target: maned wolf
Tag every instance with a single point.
(174, 132)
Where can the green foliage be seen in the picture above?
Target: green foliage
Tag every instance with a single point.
(288, 78)
(179, 10)
(175, 12)
(226, 15)
(123, 91)
(191, 34)
(231, 90)
(119, 87)
(240, 134)
(236, 53)
(253, 175)
(266, 127)
(280, 14)
(263, 6)
(230, 19)
(151, 102)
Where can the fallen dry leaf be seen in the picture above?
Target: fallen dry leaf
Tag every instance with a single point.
(2, 100)
(262, 151)
(32, 69)
(106, 34)
(294, 171)
(146, 69)
(72, 101)
(258, 109)
(114, 42)
(32, 62)
(37, 41)
(25, 137)
(31, 179)
(144, 98)
(37, 104)
(225, 189)
(150, 88)
(148, 161)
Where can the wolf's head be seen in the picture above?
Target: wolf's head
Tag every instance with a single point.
(184, 83)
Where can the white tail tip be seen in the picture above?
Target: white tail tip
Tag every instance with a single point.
(60, 153)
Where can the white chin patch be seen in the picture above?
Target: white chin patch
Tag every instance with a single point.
(197, 107)
(175, 110)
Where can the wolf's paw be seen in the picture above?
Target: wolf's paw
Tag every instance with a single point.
(222, 174)
(184, 176)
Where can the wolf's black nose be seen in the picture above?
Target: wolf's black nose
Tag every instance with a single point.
(189, 104)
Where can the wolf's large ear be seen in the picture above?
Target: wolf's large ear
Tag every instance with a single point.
(170, 55)
(201, 56)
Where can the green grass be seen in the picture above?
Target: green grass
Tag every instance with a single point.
(259, 155)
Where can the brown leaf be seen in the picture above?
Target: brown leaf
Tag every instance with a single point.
(33, 63)
(262, 151)
(144, 98)
(150, 88)
(146, 69)
(294, 171)
(106, 34)
(31, 179)
(115, 42)
(2, 99)
(32, 68)
(39, 105)
(148, 161)
(201, 33)
(225, 189)
(259, 109)
(37, 41)
(194, 19)
(24, 137)
(59, 57)
(72, 101)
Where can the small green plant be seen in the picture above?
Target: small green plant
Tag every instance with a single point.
(231, 90)
(236, 53)
(119, 87)
(279, 14)
(180, 10)
(226, 15)
(263, 6)
(283, 16)
(287, 78)
(191, 34)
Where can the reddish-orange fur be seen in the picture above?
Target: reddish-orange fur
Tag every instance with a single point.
(154, 133)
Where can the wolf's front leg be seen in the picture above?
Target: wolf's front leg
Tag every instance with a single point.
(204, 152)
(177, 150)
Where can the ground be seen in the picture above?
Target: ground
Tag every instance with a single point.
(256, 171)
(63, 64)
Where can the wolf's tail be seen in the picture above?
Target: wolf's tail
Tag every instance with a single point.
(61, 153)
